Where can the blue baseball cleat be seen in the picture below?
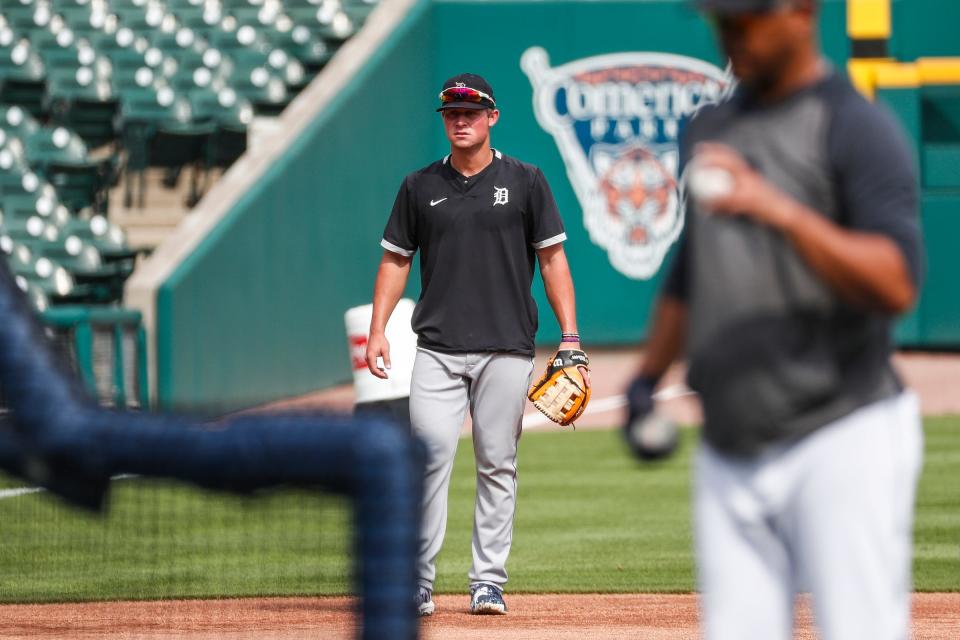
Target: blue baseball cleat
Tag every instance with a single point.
(487, 599)
(425, 604)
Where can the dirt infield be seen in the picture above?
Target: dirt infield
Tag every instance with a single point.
(532, 617)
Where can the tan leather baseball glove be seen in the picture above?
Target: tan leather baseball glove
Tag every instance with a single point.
(562, 393)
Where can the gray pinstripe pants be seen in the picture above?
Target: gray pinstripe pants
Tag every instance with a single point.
(494, 388)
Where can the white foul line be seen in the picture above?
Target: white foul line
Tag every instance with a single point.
(16, 492)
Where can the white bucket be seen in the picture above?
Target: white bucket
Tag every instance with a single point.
(403, 349)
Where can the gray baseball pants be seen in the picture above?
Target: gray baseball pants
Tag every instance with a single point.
(494, 387)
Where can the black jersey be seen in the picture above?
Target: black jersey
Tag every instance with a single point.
(477, 239)
(774, 352)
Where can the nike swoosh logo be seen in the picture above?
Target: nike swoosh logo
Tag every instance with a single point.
(434, 203)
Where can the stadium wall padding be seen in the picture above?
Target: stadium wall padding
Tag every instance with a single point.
(256, 311)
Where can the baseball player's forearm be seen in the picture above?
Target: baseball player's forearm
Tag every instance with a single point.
(666, 338)
(558, 284)
(867, 269)
(391, 280)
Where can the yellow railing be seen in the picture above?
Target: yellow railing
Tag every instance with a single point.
(869, 74)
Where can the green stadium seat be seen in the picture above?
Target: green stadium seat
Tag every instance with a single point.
(266, 91)
(203, 20)
(45, 204)
(55, 282)
(17, 122)
(81, 18)
(16, 182)
(174, 41)
(110, 43)
(232, 115)
(73, 254)
(31, 230)
(23, 265)
(234, 4)
(66, 82)
(14, 168)
(223, 106)
(327, 20)
(227, 144)
(108, 238)
(245, 59)
(241, 39)
(151, 105)
(61, 4)
(89, 279)
(289, 68)
(26, 17)
(180, 145)
(53, 152)
(143, 110)
(177, 6)
(38, 299)
(311, 50)
(196, 66)
(17, 255)
(254, 16)
(22, 79)
(55, 144)
(91, 114)
(81, 185)
(132, 17)
(61, 60)
(103, 41)
(43, 40)
(118, 259)
(128, 65)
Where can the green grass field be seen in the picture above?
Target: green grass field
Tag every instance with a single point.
(589, 520)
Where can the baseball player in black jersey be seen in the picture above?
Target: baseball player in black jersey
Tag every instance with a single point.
(801, 245)
(479, 219)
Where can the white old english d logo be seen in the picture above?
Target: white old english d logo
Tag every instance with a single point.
(616, 119)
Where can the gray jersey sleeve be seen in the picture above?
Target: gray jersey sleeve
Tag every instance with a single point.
(875, 177)
(400, 235)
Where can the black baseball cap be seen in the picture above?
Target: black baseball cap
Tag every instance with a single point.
(467, 91)
(737, 6)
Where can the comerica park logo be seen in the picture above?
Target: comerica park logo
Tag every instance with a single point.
(616, 119)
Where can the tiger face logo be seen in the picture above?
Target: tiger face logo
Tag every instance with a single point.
(616, 120)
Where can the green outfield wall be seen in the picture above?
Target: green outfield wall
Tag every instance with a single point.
(256, 310)
(924, 28)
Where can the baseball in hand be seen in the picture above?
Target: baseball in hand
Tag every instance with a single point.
(652, 436)
(708, 183)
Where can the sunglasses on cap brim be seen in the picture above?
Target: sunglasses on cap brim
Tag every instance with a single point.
(465, 94)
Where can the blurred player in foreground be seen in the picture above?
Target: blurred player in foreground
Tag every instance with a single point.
(802, 245)
(480, 219)
(58, 439)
